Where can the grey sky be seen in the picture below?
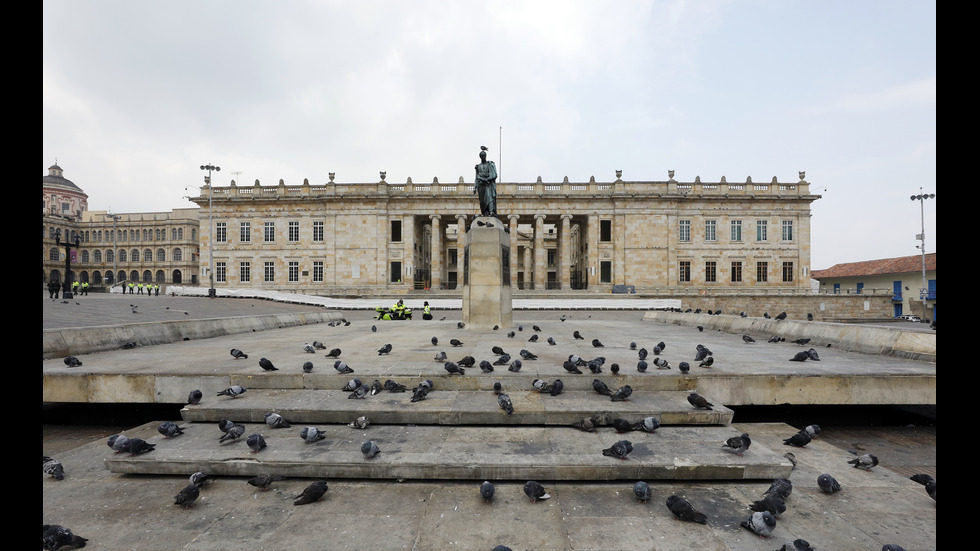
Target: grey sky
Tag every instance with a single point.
(138, 95)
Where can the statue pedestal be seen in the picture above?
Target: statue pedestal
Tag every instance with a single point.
(486, 275)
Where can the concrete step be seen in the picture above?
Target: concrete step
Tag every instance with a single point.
(452, 407)
(440, 452)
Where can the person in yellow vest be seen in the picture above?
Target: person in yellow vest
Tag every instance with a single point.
(74, 287)
(156, 290)
(426, 315)
(85, 288)
(131, 287)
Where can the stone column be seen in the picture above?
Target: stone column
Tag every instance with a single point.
(565, 252)
(540, 255)
(435, 267)
(528, 266)
(513, 218)
(460, 234)
(593, 247)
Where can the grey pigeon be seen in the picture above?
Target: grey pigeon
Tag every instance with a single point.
(647, 424)
(505, 403)
(392, 386)
(319, 345)
(619, 450)
(460, 325)
(497, 387)
(118, 442)
(747, 339)
(799, 439)
(440, 357)
(53, 468)
(238, 354)
(376, 387)
(774, 504)
(497, 350)
(435, 341)
(334, 353)
(632, 346)
(657, 350)
(812, 430)
(699, 401)
(622, 395)
(233, 391)
(707, 362)
(556, 387)
(352, 385)
(641, 366)
(801, 341)
(138, 446)
(54, 537)
(775, 338)
(684, 367)
(528, 355)
(828, 484)
(813, 355)
(187, 496)
(866, 461)
(224, 425)
(642, 353)
(798, 544)
(642, 491)
(194, 397)
(454, 369)
(571, 367)
(762, 523)
(255, 442)
(72, 361)
(515, 366)
(264, 481)
(596, 343)
(534, 338)
(781, 487)
(577, 335)
(683, 510)
(486, 366)
(661, 363)
(312, 493)
(308, 348)
(504, 359)
(551, 341)
(374, 328)
(169, 429)
(601, 387)
(791, 457)
(614, 368)
(307, 367)
(467, 361)
(588, 424)
(421, 391)
(370, 449)
(342, 367)
(536, 328)
(359, 392)
(535, 491)
(455, 342)
(892, 547)
(386, 349)
(234, 433)
(928, 481)
(738, 444)
(511, 334)
(200, 479)
(265, 364)
(622, 425)
(361, 422)
(487, 490)
(800, 357)
(541, 385)
(311, 434)
(781, 316)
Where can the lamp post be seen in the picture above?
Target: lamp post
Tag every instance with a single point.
(921, 197)
(66, 293)
(207, 180)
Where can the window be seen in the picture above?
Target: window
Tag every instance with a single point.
(65, 208)
(161, 255)
(685, 231)
(605, 230)
(605, 271)
(245, 232)
(709, 230)
(453, 257)
(293, 232)
(269, 271)
(269, 232)
(221, 232)
(122, 255)
(178, 255)
(318, 232)
(396, 230)
(97, 256)
(147, 256)
(293, 271)
(711, 271)
(684, 271)
(736, 230)
(85, 257)
(134, 256)
(551, 257)
(787, 272)
(318, 270)
(787, 230)
(110, 255)
(736, 272)
(220, 272)
(245, 272)
(760, 230)
(762, 272)
(396, 272)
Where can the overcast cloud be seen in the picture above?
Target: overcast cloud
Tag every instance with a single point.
(138, 95)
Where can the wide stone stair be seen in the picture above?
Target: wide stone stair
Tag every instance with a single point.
(458, 432)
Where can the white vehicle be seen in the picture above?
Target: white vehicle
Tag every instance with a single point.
(915, 319)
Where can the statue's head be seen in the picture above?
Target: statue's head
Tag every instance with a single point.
(483, 155)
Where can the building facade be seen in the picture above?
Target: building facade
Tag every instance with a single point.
(911, 281)
(153, 247)
(381, 237)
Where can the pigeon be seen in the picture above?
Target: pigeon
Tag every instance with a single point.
(866, 461)
(312, 493)
(138, 446)
(515, 366)
(53, 468)
(440, 357)
(776, 338)
(511, 334)
(454, 369)
(487, 490)
(633, 346)
(233, 391)
(578, 336)
(809, 316)
(72, 361)
(435, 341)
(762, 523)
(541, 385)
(194, 397)
(642, 353)
(799, 439)
(622, 425)
(54, 537)
(225, 425)
(928, 481)
(374, 328)
(642, 491)
(683, 510)
(551, 341)
(359, 392)
(799, 544)
(421, 391)
(392, 386)
(774, 504)
(892, 547)
(595, 364)
(556, 387)
(376, 387)
(685, 367)
(619, 450)
(342, 367)
(766, 315)
(319, 345)
(708, 362)
(264, 481)
(334, 353)
(308, 348)
(504, 359)
(169, 429)
(781, 316)
(307, 367)
(361, 422)
(311, 435)
(118, 442)
(497, 351)
(466, 361)
(699, 401)
(738, 444)
(702, 353)
(486, 366)
(497, 388)
(641, 366)
(369, 449)
(455, 342)
(386, 349)
(234, 433)
(571, 367)
(505, 403)
(601, 387)
(588, 424)
(800, 357)
(614, 368)
(596, 343)
(460, 325)
(781, 487)
(535, 491)
(536, 328)
(791, 457)
(256, 442)
(812, 430)
(700, 328)
(534, 338)
(661, 363)
(661, 346)
(801, 342)
(747, 339)
(647, 424)
(238, 354)
(200, 479)
(352, 385)
(265, 364)
(813, 355)
(828, 484)
(528, 355)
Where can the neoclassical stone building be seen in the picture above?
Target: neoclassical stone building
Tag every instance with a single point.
(382, 237)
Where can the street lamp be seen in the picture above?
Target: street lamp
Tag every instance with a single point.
(66, 293)
(921, 197)
(207, 180)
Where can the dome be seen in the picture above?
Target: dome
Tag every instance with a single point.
(55, 177)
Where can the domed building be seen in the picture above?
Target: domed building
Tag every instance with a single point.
(62, 198)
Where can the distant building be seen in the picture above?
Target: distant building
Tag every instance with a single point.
(902, 275)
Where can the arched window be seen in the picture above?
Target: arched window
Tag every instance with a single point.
(134, 255)
(161, 255)
(160, 277)
(122, 255)
(180, 233)
(85, 257)
(110, 255)
(96, 278)
(134, 276)
(147, 276)
(147, 255)
(177, 255)
(53, 254)
(177, 278)
(97, 256)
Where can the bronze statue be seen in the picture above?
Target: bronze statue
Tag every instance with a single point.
(485, 185)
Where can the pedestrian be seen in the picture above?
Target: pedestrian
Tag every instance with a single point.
(139, 288)
(85, 288)
(130, 287)
(426, 314)
(52, 289)
(156, 290)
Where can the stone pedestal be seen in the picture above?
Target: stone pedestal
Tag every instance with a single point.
(486, 275)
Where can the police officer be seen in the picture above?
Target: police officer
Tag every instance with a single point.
(426, 315)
